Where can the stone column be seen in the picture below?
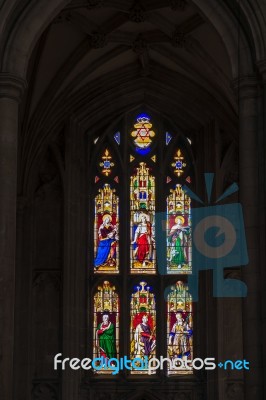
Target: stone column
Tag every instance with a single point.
(11, 90)
(262, 193)
(248, 91)
(75, 301)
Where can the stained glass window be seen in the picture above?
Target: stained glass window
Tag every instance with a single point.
(179, 328)
(179, 251)
(142, 327)
(143, 134)
(142, 205)
(149, 166)
(106, 326)
(106, 230)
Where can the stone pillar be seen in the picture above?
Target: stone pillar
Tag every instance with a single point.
(75, 301)
(11, 90)
(248, 92)
(262, 192)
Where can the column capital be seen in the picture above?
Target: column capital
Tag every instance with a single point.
(12, 86)
(262, 69)
(246, 86)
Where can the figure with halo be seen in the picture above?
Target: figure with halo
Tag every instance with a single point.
(143, 240)
(178, 238)
(108, 236)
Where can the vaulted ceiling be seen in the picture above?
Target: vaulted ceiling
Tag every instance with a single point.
(163, 48)
(97, 59)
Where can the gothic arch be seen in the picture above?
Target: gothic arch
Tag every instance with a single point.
(132, 93)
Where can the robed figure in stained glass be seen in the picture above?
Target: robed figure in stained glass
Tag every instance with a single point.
(143, 240)
(106, 251)
(179, 242)
(178, 238)
(106, 229)
(142, 204)
(144, 337)
(143, 324)
(179, 337)
(179, 326)
(105, 338)
(106, 324)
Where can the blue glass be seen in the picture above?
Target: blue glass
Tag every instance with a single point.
(142, 195)
(168, 138)
(143, 115)
(137, 288)
(117, 137)
(106, 164)
(143, 152)
(179, 164)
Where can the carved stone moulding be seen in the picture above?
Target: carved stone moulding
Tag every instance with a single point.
(137, 13)
(11, 86)
(139, 45)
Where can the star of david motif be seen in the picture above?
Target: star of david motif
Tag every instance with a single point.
(140, 132)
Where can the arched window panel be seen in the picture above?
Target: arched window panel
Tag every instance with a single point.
(142, 328)
(178, 228)
(106, 231)
(179, 329)
(142, 221)
(106, 308)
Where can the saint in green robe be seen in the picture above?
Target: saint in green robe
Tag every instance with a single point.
(106, 337)
(179, 257)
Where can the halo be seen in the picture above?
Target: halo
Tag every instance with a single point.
(182, 219)
(106, 216)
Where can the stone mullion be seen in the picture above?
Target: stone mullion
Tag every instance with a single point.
(211, 302)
